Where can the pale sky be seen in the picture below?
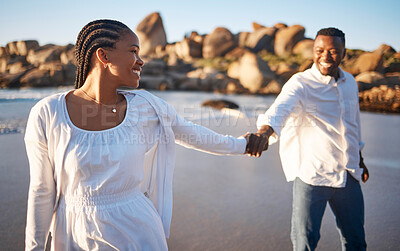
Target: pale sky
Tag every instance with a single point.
(366, 23)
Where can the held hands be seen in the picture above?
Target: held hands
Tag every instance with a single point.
(258, 142)
(365, 174)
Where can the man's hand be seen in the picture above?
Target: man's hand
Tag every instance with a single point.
(365, 174)
(258, 142)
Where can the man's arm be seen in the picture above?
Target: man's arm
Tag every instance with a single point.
(365, 174)
(258, 142)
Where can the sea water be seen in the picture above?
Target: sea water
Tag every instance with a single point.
(379, 131)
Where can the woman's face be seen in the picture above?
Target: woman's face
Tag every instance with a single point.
(125, 64)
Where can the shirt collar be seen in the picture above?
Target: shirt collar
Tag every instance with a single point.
(325, 79)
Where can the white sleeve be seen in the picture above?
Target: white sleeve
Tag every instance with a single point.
(42, 189)
(203, 139)
(287, 103)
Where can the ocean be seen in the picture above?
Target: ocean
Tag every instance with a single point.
(379, 131)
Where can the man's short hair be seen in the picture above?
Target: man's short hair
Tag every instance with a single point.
(333, 32)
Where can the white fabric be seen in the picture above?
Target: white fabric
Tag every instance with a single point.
(90, 184)
(318, 122)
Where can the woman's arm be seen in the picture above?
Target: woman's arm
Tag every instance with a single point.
(42, 189)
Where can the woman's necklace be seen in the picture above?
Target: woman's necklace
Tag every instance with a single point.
(114, 107)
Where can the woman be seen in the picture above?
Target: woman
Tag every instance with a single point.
(101, 160)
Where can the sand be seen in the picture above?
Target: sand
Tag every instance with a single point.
(224, 202)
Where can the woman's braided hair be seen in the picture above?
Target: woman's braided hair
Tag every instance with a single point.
(96, 34)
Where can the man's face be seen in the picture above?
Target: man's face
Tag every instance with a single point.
(328, 53)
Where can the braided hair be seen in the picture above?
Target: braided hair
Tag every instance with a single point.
(96, 34)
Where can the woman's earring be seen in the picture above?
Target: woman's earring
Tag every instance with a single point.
(105, 66)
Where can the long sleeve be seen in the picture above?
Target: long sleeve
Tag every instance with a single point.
(42, 189)
(287, 103)
(203, 139)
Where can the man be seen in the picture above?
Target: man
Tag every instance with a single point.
(317, 119)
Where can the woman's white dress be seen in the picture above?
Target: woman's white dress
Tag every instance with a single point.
(100, 205)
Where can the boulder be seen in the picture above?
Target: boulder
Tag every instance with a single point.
(393, 79)
(254, 72)
(68, 55)
(3, 65)
(385, 49)
(233, 70)
(367, 80)
(188, 49)
(260, 39)
(257, 26)
(393, 67)
(273, 87)
(220, 104)
(151, 33)
(4, 52)
(286, 39)
(305, 48)
(22, 48)
(161, 82)
(280, 26)
(16, 67)
(218, 43)
(380, 99)
(154, 67)
(368, 61)
(196, 37)
(36, 78)
(45, 54)
(241, 38)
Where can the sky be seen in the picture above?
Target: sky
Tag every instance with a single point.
(366, 23)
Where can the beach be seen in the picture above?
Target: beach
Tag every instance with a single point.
(233, 202)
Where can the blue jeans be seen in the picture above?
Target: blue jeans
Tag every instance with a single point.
(309, 204)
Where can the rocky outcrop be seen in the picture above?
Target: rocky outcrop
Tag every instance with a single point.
(218, 43)
(253, 72)
(262, 38)
(286, 39)
(259, 61)
(305, 48)
(151, 33)
(381, 99)
(368, 61)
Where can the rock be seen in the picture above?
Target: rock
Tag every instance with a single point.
(393, 79)
(151, 33)
(385, 50)
(22, 48)
(16, 67)
(162, 82)
(45, 54)
(188, 49)
(68, 56)
(190, 84)
(36, 78)
(234, 70)
(305, 48)
(220, 104)
(273, 87)
(196, 37)
(218, 43)
(241, 38)
(380, 99)
(254, 72)
(236, 53)
(286, 39)
(368, 61)
(367, 80)
(393, 67)
(257, 26)
(154, 67)
(3, 65)
(4, 52)
(260, 39)
(280, 26)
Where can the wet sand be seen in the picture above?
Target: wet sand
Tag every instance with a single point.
(225, 202)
